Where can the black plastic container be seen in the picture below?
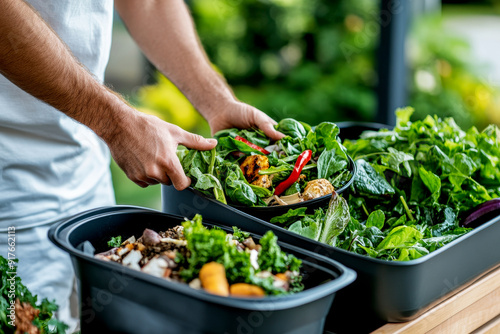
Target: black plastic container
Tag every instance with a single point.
(384, 290)
(117, 299)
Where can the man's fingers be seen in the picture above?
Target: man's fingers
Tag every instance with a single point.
(197, 142)
(177, 176)
(270, 131)
(141, 184)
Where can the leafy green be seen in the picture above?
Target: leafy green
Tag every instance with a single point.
(217, 173)
(400, 237)
(419, 177)
(336, 218)
(369, 182)
(207, 245)
(115, 241)
(289, 216)
(331, 161)
(272, 258)
(322, 226)
(239, 234)
(411, 187)
(292, 128)
(377, 219)
(45, 322)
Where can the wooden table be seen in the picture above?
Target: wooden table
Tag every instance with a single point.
(475, 308)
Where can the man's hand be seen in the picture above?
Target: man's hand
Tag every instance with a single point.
(241, 115)
(144, 147)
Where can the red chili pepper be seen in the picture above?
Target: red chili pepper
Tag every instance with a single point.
(302, 160)
(252, 145)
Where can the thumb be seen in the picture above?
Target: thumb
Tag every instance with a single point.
(197, 142)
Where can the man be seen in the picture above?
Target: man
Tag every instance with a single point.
(53, 156)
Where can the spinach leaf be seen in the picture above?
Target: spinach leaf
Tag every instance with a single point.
(395, 158)
(208, 181)
(308, 228)
(400, 236)
(292, 128)
(377, 219)
(326, 135)
(370, 183)
(236, 187)
(432, 182)
(291, 216)
(331, 161)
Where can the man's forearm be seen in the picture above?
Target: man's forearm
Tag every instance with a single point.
(34, 58)
(165, 32)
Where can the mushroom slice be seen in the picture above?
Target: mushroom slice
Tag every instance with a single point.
(292, 199)
(317, 188)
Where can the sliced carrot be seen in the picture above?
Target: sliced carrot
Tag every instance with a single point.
(282, 276)
(213, 279)
(246, 290)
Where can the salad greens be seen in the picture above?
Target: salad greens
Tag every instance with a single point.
(208, 245)
(43, 322)
(225, 173)
(412, 186)
(115, 241)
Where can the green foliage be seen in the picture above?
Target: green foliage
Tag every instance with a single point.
(411, 187)
(44, 322)
(273, 259)
(322, 226)
(115, 241)
(445, 174)
(207, 245)
(239, 234)
(217, 173)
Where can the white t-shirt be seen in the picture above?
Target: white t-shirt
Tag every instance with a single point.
(50, 165)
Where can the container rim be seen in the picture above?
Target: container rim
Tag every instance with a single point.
(59, 235)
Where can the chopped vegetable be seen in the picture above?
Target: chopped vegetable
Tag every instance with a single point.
(211, 259)
(213, 279)
(486, 209)
(252, 145)
(302, 160)
(246, 290)
(115, 241)
(240, 172)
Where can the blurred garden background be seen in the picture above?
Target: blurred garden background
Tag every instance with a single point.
(315, 60)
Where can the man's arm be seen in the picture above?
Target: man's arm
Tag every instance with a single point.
(165, 32)
(34, 58)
